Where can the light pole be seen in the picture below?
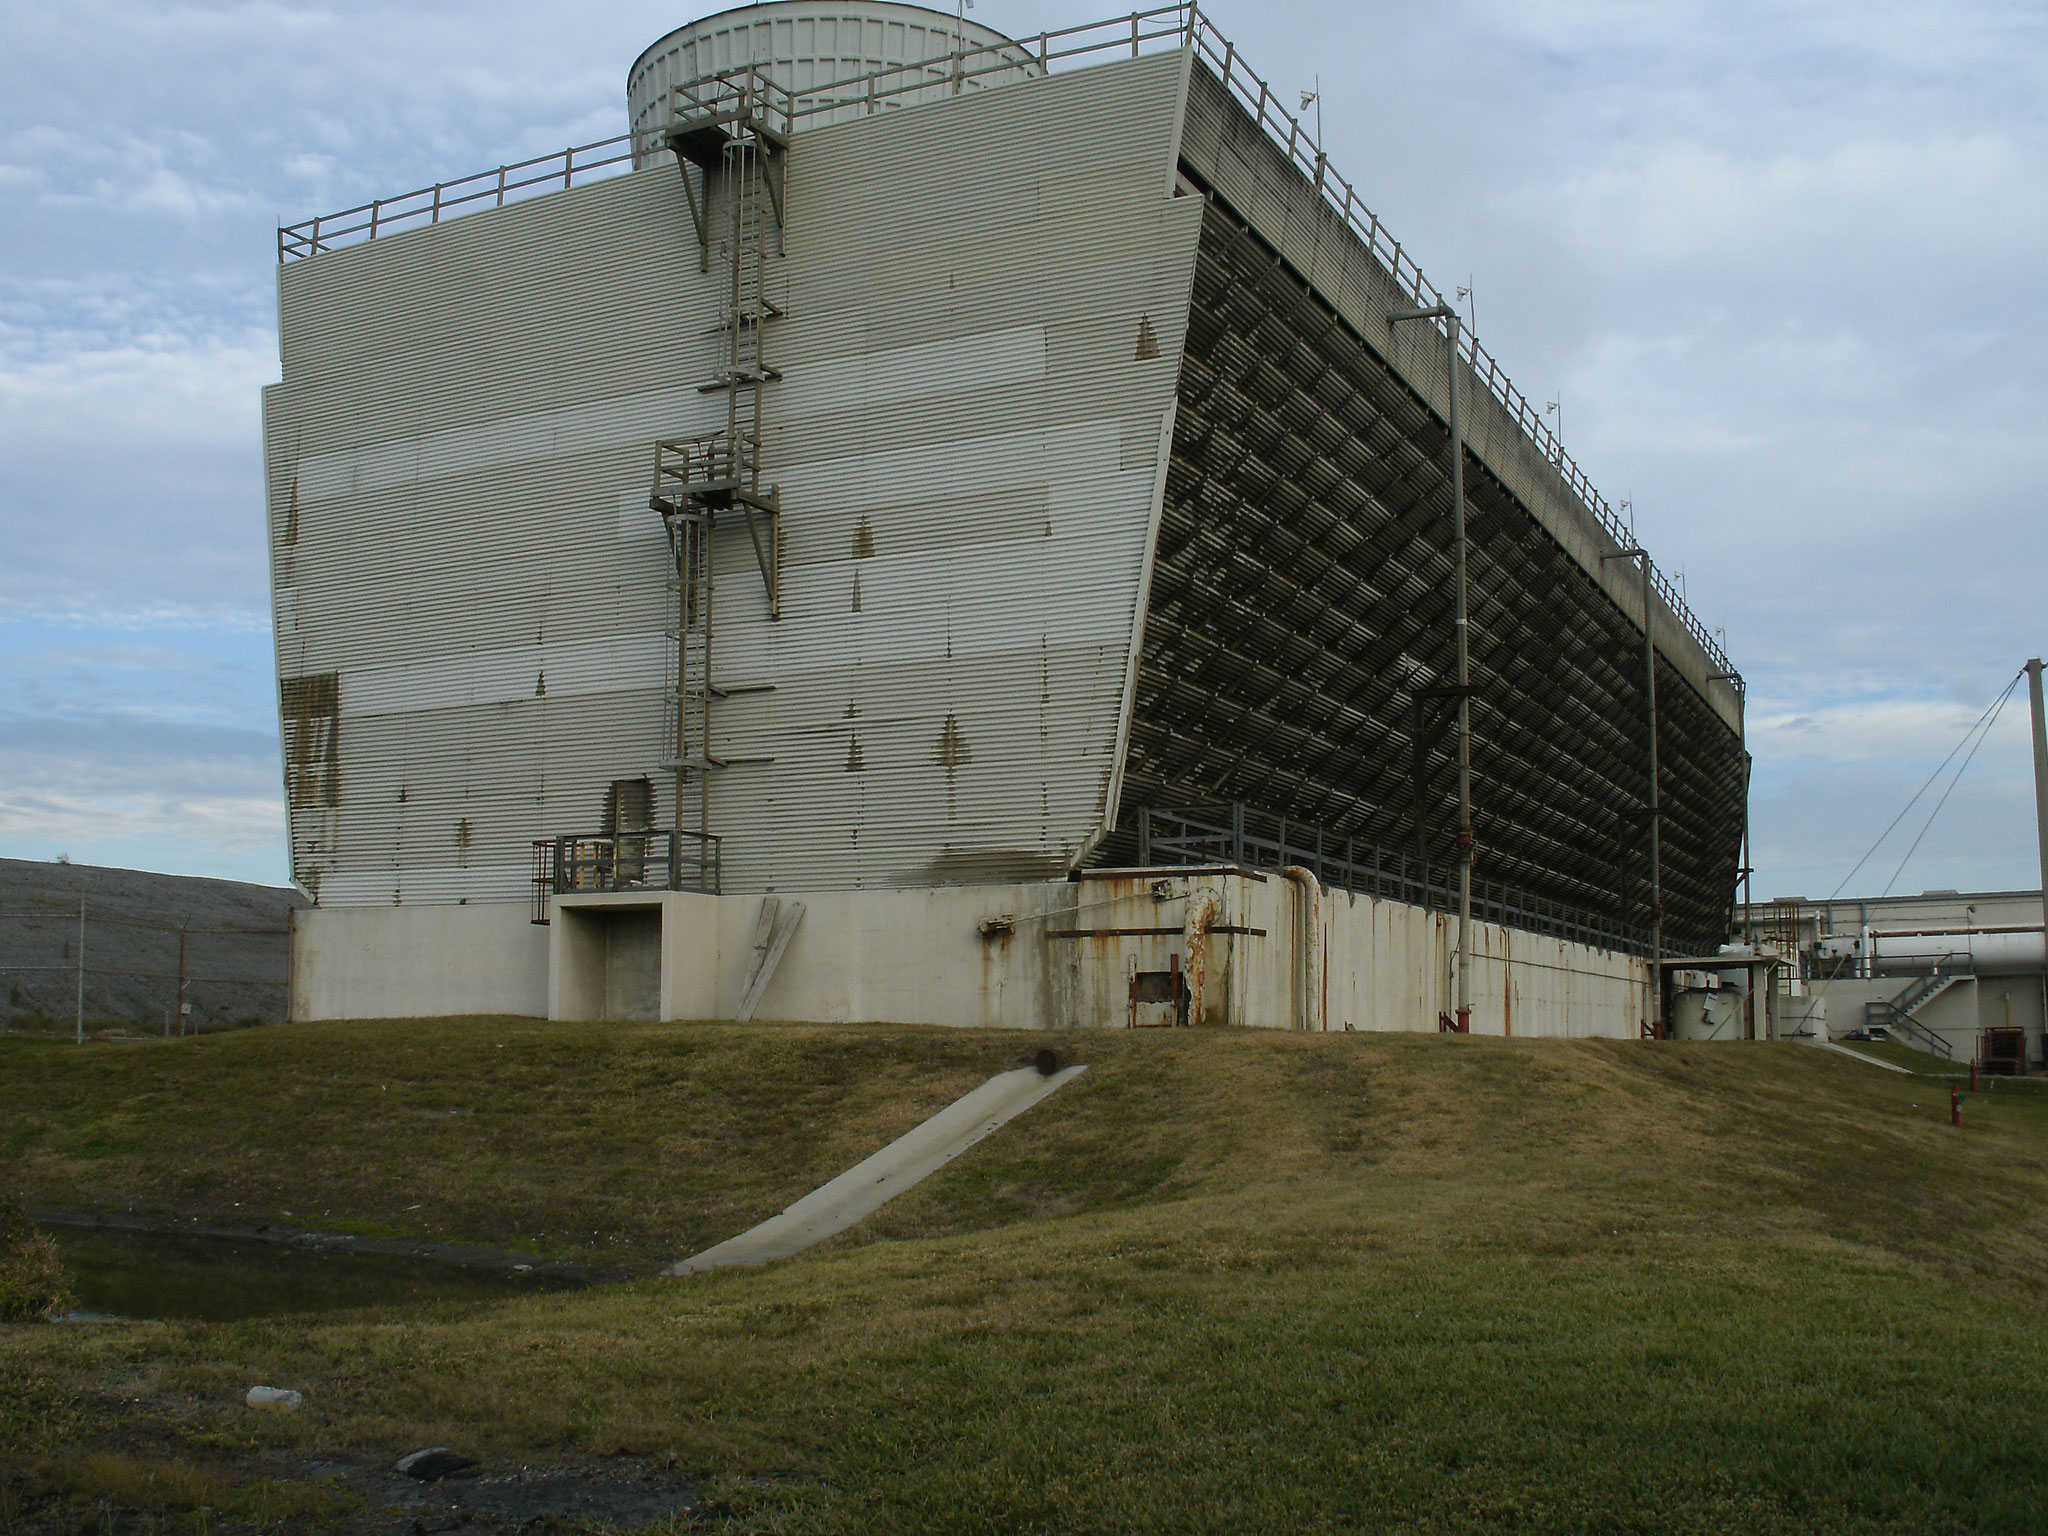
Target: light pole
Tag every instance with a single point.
(1449, 316)
(1637, 553)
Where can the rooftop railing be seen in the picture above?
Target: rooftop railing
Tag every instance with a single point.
(1222, 834)
(1161, 29)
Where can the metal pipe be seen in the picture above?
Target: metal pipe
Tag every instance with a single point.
(1202, 910)
(1308, 936)
(2040, 769)
(2020, 953)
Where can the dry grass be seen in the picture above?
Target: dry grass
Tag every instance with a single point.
(32, 1282)
(1254, 1282)
(615, 1144)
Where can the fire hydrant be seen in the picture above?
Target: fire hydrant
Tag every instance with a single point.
(1955, 1106)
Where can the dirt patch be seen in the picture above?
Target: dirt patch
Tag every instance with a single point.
(350, 1496)
(463, 1255)
(624, 1495)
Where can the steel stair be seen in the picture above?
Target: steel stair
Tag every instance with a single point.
(1896, 1016)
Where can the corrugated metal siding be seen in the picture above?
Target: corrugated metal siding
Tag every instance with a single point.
(967, 446)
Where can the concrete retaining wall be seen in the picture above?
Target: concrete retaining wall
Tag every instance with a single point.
(418, 962)
(1274, 953)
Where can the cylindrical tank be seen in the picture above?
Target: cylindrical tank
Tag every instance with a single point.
(1987, 954)
(1702, 1015)
(808, 47)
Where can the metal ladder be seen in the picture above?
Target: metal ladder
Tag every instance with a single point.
(725, 127)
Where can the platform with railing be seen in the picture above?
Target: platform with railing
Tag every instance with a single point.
(659, 859)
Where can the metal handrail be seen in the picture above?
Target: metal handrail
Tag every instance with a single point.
(1889, 1017)
(427, 205)
(1219, 834)
(656, 858)
(1158, 29)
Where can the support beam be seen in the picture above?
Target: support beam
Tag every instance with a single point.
(1462, 628)
(1654, 1022)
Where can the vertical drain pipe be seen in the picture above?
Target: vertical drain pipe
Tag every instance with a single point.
(1202, 909)
(1308, 927)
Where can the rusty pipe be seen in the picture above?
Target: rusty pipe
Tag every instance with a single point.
(1308, 927)
(1203, 909)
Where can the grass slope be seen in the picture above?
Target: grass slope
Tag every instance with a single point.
(1222, 1281)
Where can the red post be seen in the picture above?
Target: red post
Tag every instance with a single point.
(1973, 1074)
(1955, 1106)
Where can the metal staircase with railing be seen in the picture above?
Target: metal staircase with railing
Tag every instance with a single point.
(1896, 1017)
(730, 134)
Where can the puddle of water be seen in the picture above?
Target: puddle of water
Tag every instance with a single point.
(136, 1275)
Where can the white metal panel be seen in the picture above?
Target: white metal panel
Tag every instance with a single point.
(867, 378)
(968, 446)
(508, 676)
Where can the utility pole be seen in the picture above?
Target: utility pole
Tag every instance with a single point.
(1450, 318)
(1656, 1009)
(960, 44)
(81, 969)
(2040, 768)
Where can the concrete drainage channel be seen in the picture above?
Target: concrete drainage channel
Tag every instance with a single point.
(904, 1163)
(440, 1489)
(1869, 1061)
(437, 1489)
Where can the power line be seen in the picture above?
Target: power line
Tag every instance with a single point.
(1996, 710)
(1990, 710)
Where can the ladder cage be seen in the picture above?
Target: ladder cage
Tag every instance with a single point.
(729, 132)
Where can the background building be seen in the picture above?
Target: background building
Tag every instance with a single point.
(1038, 485)
(1934, 970)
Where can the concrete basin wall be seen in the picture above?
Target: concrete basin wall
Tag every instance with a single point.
(1107, 951)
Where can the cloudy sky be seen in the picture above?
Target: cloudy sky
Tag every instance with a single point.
(1783, 268)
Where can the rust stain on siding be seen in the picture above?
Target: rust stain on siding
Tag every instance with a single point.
(310, 707)
(953, 750)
